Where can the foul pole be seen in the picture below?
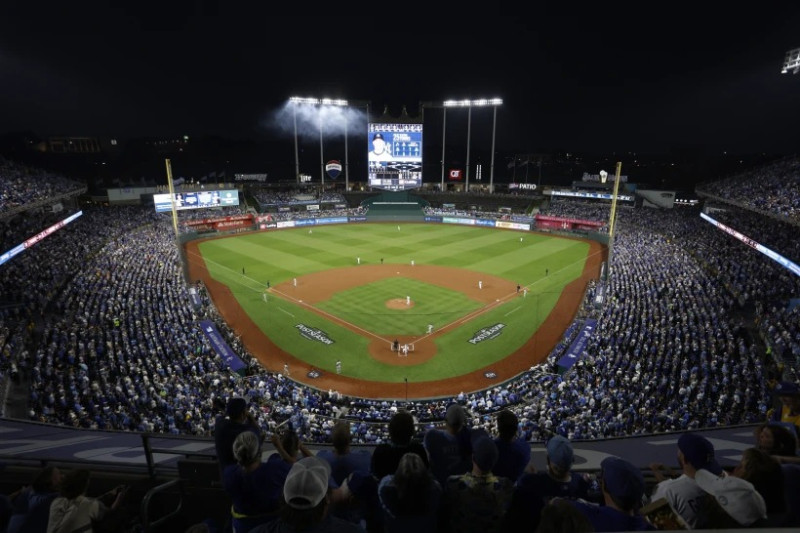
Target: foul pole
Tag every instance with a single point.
(613, 217)
(172, 198)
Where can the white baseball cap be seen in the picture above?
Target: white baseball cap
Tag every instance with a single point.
(737, 496)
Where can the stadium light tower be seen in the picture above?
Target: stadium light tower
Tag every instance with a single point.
(320, 102)
(791, 62)
(469, 104)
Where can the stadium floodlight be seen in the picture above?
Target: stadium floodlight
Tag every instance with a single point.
(318, 101)
(480, 102)
(312, 101)
(792, 61)
(469, 104)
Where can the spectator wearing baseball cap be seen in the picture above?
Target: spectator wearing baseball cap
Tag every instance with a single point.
(386, 455)
(448, 449)
(681, 492)
(560, 456)
(622, 485)
(254, 486)
(342, 458)
(734, 501)
(227, 428)
(478, 500)
(532, 489)
(306, 502)
(514, 453)
(788, 412)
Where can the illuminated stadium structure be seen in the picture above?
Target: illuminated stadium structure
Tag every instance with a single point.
(667, 338)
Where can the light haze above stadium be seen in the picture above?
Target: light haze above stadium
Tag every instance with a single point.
(598, 78)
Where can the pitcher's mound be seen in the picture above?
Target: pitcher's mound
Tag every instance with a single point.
(399, 303)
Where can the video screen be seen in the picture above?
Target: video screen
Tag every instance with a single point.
(394, 156)
(196, 200)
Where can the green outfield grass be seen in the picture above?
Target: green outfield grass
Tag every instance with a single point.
(279, 256)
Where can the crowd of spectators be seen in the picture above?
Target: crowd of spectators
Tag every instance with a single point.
(460, 478)
(189, 215)
(585, 210)
(117, 345)
(270, 197)
(667, 357)
(21, 185)
(456, 479)
(325, 213)
(773, 189)
(187, 218)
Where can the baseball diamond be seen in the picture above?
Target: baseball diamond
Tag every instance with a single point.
(360, 310)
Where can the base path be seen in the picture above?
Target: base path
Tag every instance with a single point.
(321, 286)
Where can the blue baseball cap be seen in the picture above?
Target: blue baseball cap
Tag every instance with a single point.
(699, 452)
(559, 452)
(623, 480)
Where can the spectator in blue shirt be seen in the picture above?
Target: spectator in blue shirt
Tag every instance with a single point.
(533, 490)
(622, 486)
(514, 454)
(228, 428)
(342, 458)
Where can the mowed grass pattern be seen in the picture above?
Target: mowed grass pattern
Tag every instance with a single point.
(365, 306)
(542, 263)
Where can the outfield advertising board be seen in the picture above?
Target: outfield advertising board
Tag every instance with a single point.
(196, 200)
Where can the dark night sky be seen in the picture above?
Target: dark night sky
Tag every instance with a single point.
(643, 79)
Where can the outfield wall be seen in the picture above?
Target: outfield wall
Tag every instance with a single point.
(394, 207)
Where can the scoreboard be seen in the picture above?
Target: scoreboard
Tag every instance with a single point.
(399, 167)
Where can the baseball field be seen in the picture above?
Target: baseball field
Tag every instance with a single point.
(475, 306)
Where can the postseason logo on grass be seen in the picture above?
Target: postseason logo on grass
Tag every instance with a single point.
(485, 334)
(314, 334)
